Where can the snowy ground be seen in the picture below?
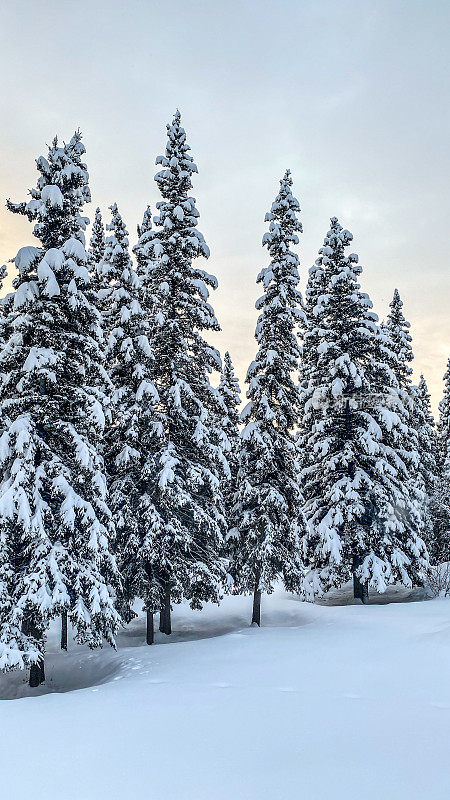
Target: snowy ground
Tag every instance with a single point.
(323, 702)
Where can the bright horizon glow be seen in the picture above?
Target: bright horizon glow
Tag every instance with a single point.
(352, 97)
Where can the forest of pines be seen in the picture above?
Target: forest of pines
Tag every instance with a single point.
(127, 470)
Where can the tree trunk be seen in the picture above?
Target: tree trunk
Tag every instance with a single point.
(256, 616)
(166, 622)
(150, 628)
(357, 587)
(161, 620)
(64, 630)
(365, 592)
(360, 589)
(41, 671)
(37, 671)
(35, 676)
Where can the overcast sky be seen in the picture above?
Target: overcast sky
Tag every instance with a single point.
(353, 97)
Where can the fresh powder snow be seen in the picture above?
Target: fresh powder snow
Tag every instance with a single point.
(322, 701)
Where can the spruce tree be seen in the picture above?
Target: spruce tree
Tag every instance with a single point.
(184, 485)
(443, 427)
(55, 523)
(428, 464)
(441, 499)
(309, 331)
(268, 515)
(399, 352)
(399, 355)
(362, 522)
(230, 393)
(96, 252)
(97, 244)
(130, 441)
(309, 335)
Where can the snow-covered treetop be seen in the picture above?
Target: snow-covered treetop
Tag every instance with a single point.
(397, 330)
(140, 249)
(342, 313)
(444, 415)
(332, 255)
(116, 264)
(180, 288)
(282, 271)
(423, 393)
(61, 191)
(334, 266)
(426, 427)
(229, 384)
(177, 211)
(97, 244)
(146, 224)
(270, 375)
(121, 296)
(178, 165)
(230, 392)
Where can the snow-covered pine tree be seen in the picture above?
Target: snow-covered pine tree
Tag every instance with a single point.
(397, 329)
(62, 189)
(130, 441)
(309, 331)
(184, 487)
(97, 244)
(3, 275)
(230, 393)
(399, 356)
(268, 518)
(428, 457)
(309, 334)
(441, 499)
(142, 229)
(96, 252)
(353, 477)
(443, 426)
(55, 524)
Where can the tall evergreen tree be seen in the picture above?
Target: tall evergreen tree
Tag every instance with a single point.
(428, 464)
(400, 351)
(309, 331)
(96, 252)
(443, 427)
(441, 499)
(268, 516)
(97, 244)
(399, 356)
(230, 393)
(130, 442)
(362, 520)
(55, 524)
(310, 334)
(184, 485)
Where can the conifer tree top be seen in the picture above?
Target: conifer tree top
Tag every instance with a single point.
(229, 387)
(61, 191)
(270, 374)
(400, 339)
(178, 164)
(444, 407)
(146, 224)
(177, 210)
(116, 265)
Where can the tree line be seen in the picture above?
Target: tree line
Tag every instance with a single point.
(126, 473)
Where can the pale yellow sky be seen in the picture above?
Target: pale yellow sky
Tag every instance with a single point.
(352, 97)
